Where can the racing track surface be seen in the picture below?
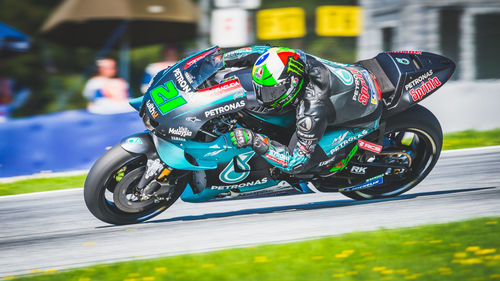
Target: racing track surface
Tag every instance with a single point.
(54, 230)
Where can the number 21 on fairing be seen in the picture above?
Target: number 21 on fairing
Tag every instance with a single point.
(167, 98)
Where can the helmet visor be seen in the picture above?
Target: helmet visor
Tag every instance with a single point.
(269, 94)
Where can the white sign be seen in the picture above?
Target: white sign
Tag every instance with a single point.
(244, 4)
(231, 28)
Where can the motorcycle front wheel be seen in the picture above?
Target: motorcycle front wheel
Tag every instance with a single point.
(110, 189)
(416, 132)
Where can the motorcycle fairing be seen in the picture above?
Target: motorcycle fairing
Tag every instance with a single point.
(175, 105)
(336, 139)
(415, 76)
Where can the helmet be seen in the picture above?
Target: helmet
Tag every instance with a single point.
(277, 77)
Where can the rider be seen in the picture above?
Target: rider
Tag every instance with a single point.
(323, 93)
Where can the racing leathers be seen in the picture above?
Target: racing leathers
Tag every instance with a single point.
(333, 94)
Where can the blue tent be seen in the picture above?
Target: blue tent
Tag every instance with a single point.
(12, 41)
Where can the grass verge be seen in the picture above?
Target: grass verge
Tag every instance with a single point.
(467, 250)
(471, 138)
(41, 184)
(464, 139)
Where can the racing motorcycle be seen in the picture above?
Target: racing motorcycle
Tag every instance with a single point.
(190, 109)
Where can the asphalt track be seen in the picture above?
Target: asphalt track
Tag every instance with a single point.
(54, 230)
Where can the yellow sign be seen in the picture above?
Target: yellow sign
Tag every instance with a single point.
(338, 20)
(281, 23)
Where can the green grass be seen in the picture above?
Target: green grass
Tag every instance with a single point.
(465, 139)
(471, 138)
(41, 184)
(467, 250)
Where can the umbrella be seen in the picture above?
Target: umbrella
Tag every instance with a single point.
(12, 41)
(92, 22)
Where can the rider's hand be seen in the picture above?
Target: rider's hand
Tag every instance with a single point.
(242, 137)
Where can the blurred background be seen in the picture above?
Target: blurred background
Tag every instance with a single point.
(68, 67)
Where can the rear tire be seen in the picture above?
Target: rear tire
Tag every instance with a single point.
(421, 122)
(117, 164)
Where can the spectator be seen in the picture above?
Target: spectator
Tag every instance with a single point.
(170, 55)
(107, 94)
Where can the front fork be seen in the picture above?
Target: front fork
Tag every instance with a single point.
(156, 170)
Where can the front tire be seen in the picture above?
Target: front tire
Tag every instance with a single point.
(426, 146)
(116, 168)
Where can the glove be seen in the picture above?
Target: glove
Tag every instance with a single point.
(242, 137)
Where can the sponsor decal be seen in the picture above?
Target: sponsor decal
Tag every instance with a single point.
(245, 184)
(421, 78)
(373, 89)
(349, 140)
(403, 61)
(344, 75)
(427, 87)
(259, 72)
(276, 157)
(341, 165)
(134, 141)
(366, 145)
(305, 124)
(189, 77)
(181, 82)
(225, 108)
(324, 163)
(180, 131)
(192, 119)
(213, 153)
(360, 95)
(196, 59)
(358, 170)
(367, 184)
(177, 138)
(151, 108)
(406, 52)
(339, 138)
(228, 175)
(224, 88)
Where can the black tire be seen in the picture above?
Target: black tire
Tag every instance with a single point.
(116, 164)
(424, 124)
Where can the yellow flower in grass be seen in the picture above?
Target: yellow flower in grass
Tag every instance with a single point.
(161, 270)
(485, 251)
(387, 278)
(460, 255)
(387, 271)
(379, 268)
(495, 276)
(413, 276)
(491, 222)
(472, 249)
(338, 275)
(467, 261)
(260, 259)
(344, 254)
(207, 265)
(84, 279)
(148, 278)
(410, 243)
(401, 271)
(435, 241)
(350, 273)
(317, 257)
(133, 274)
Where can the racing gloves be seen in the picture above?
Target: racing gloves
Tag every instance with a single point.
(242, 138)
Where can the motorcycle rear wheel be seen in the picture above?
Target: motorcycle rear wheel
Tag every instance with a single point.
(121, 170)
(426, 147)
